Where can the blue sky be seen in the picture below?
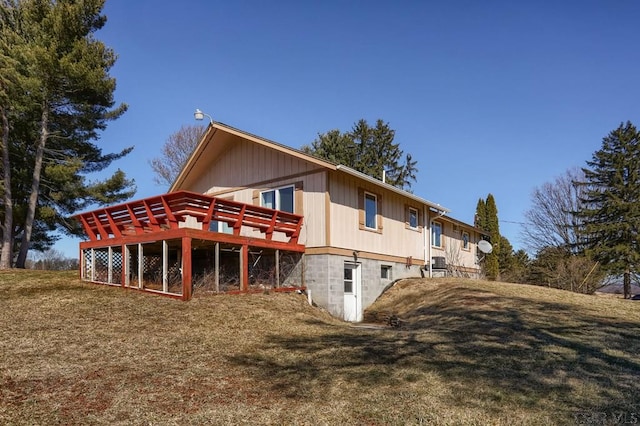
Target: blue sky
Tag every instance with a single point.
(490, 97)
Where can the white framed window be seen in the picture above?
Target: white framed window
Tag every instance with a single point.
(465, 240)
(436, 234)
(370, 211)
(278, 198)
(413, 218)
(385, 272)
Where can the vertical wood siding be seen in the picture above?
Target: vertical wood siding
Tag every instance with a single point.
(394, 239)
(247, 167)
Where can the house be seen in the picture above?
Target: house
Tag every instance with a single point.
(346, 236)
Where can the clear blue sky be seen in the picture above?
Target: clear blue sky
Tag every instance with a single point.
(490, 97)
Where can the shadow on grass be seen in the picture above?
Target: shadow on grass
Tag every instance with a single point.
(491, 352)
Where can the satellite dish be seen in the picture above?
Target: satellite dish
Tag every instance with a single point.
(485, 246)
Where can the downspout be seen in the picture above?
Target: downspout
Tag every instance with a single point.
(427, 237)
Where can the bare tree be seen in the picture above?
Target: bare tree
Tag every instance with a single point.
(51, 260)
(550, 220)
(175, 153)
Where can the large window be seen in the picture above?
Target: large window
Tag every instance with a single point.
(370, 211)
(279, 198)
(436, 234)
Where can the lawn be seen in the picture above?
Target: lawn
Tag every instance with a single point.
(466, 352)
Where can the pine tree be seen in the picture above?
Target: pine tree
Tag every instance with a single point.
(480, 219)
(611, 203)
(370, 150)
(486, 218)
(63, 98)
(492, 266)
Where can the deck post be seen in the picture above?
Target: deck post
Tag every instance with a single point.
(93, 265)
(216, 261)
(110, 267)
(140, 266)
(244, 268)
(186, 268)
(277, 268)
(126, 267)
(165, 266)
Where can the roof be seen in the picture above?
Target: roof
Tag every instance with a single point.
(216, 127)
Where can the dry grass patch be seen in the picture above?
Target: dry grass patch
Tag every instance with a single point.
(467, 352)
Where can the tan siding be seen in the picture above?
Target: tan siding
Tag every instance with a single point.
(247, 168)
(394, 239)
(452, 249)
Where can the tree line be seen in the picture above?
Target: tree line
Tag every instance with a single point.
(583, 227)
(56, 95)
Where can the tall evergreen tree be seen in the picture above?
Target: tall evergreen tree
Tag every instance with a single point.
(486, 218)
(64, 97)
(480, 219)
(610, 213)
(492, 266)
(370, 150)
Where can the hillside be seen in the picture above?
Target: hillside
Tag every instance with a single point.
(466, 352)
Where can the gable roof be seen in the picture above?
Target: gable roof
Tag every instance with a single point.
(224, 136)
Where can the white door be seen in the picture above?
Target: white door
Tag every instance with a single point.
(352, 289)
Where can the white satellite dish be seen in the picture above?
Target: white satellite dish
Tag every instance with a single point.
(485, 246)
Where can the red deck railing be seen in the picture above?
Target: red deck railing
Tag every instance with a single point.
(168, 211)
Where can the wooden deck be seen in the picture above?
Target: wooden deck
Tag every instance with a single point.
(184, 219)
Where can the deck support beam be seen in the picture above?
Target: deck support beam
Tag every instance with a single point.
(244, 268)
(216, 260)
(186, 268)
(277, 257)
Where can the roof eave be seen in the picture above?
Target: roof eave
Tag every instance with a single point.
(392, 188)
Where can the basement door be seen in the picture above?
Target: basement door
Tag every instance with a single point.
(352, 290)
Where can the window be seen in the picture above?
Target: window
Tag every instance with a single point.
(223, 227)
(465, 240)
(279, 199)
(413, 218)
(348, 280)
(436, 234)
(370, 211)
(385, 272)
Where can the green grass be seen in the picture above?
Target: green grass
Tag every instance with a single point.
(466, 352)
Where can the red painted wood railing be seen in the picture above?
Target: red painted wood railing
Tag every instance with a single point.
(168, 211)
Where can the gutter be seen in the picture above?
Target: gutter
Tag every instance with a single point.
(439, 215)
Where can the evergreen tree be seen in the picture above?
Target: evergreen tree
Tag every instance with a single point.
(63, 98)
(492, 266)
(486, 218)
(480, 219)
(506, 256)
(370, 150)
(610, 212)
